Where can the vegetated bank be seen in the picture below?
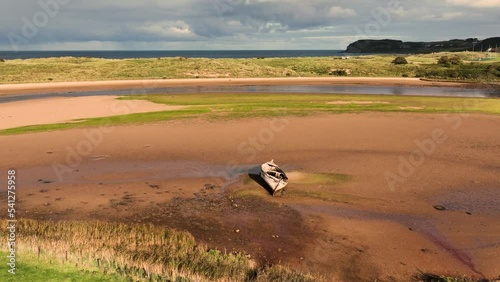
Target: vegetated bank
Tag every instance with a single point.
(474, 67)
(236, 105)
(110, 251)
(100, 251)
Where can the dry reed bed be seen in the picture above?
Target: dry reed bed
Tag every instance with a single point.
(141, 252)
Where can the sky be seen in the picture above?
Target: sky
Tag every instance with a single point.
(237, 24)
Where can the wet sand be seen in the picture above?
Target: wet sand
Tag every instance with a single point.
(58, 110)
(359, 229)
(61, 87)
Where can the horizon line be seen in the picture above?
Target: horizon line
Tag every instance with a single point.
(176, 50)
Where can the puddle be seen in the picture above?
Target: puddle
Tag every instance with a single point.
(101, 169)
(356, 102)
(473, 200)
(296, 177)
(411, 108)
(317, 178)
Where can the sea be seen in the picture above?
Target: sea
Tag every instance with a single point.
(212, 54)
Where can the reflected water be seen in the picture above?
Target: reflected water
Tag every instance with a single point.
(306, 89)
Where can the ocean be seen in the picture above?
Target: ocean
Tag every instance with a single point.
(213, 54)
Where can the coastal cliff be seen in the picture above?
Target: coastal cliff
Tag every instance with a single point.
(398, 46)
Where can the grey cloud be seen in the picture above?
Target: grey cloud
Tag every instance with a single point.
(325, 24)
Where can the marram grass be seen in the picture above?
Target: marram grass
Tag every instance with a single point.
(95, 69)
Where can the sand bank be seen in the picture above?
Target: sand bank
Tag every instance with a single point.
(57, 110)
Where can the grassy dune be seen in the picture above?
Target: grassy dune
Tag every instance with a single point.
(232, 106)
(91, 69)
(118, 252)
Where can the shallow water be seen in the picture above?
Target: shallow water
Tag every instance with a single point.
(100, 169)
(478, 200)
(126, 54)
(307, 89)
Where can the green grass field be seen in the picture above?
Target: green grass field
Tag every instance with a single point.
(234, 106)
(31, 268)
(93, 69)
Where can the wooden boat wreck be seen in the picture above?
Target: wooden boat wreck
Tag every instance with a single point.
(274, 176)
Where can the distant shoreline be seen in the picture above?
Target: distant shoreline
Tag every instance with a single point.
(148, 54)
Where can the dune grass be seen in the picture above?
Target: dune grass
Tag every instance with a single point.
(95, 69)
(121, 252)
(234, 105)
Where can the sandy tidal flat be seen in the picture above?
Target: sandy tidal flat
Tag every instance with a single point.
(349, 221)
(59, 110)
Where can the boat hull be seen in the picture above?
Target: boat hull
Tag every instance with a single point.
(275, 178)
